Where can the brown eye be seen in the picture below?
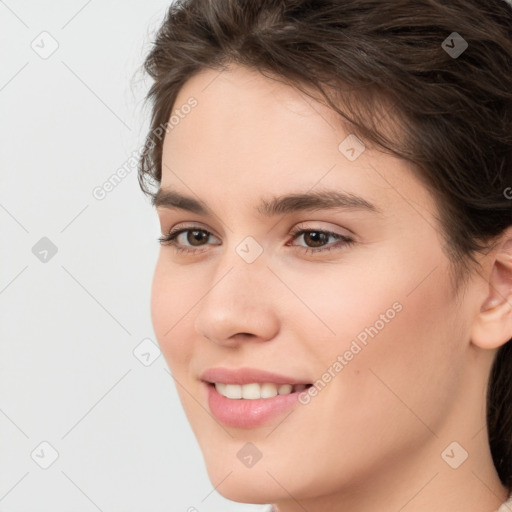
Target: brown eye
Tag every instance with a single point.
(196, 236)
(184, 238)
(316, 239)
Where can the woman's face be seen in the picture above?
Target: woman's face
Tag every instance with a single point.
(373, 320)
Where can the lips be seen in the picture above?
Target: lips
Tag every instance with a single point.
(267, 395)
(243, 376)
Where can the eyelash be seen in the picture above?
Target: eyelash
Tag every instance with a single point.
(344, 241)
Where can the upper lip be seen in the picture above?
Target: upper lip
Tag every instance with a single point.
(247, 376)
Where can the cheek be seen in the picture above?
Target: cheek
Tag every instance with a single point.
(414, 358)
(396, 325)
(393, 392)
(361, 300)
(170, 302)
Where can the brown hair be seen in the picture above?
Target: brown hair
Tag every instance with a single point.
(449, 114)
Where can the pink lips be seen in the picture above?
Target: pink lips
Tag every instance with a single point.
(247, 376)
(244, 413)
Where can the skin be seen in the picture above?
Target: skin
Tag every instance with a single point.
(372, 439)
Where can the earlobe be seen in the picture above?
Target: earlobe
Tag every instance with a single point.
(493, 325)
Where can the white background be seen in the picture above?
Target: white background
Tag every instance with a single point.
(69, 325)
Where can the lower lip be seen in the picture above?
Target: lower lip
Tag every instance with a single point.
(245, 413)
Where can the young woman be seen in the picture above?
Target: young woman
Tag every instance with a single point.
(333, 294)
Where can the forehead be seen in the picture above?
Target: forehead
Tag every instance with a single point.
(247, 111)
(249, 135)
(232, 85)
(247, 123)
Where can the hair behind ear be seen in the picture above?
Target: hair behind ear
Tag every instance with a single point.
(499, 413)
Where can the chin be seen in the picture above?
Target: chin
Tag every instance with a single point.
(245, 485)
(254, 492)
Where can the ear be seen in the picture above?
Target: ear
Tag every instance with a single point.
(493, 325)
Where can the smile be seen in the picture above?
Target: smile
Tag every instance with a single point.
(254, 391)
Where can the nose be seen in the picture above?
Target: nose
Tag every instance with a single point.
(239, 304)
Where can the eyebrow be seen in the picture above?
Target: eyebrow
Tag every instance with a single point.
(282, 205)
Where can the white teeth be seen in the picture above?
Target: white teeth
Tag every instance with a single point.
(250, 391)
(285, 389)
(254, 391)
(233, 391)
(221, 388)
(267, 390)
